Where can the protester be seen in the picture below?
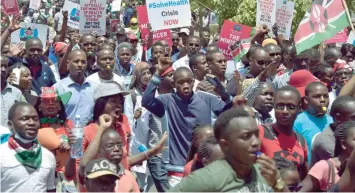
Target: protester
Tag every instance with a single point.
(263, 105)
(289, 173)
(124, 67)
(199, 67)
(193, 46)
(25, 164)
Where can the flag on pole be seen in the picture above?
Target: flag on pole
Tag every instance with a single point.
(321, 22)
(240, 51)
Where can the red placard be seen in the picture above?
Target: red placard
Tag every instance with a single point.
(340, 37)
(230, 33)
(164, 34)
(113, 24)
(10, 7)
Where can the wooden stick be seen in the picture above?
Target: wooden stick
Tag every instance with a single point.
(348, 15)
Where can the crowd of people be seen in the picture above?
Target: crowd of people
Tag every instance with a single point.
(180, 118)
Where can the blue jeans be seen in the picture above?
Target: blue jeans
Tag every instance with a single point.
(159, 174)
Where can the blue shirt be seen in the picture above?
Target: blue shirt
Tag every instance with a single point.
(181, 117)
(44, 77)
(51, 56)
(81, 102)
(309, 126)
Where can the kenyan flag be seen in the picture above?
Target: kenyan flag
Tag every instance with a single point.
(321, 22)
(240, 51)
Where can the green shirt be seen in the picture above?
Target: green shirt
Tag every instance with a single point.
(220, 177)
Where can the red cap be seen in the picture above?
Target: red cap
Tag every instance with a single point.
(60, 47)
(48, 92)
(300, 79)
(170, 69)
(340, 64)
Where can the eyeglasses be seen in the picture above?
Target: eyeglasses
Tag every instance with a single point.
(192, 44)
(134, 24)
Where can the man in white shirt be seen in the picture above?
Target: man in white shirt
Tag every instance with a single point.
(25, 165)
(105, 61)
(193, 46)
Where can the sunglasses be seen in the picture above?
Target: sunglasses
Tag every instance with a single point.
(134, 24)
(196, 45)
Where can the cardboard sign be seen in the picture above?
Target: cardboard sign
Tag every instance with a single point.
(167, 14)
(93, 17)
(143, 22)
(73, 13)
(116, 5)
(232, 32)
(35, 4)
(265, 12)
(28, 31)
(351, 38)
(339, 37)
(10, 7)
(284, 16)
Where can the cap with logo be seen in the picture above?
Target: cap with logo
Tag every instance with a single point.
(100, 167)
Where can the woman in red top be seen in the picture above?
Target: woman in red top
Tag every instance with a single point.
(55, 133)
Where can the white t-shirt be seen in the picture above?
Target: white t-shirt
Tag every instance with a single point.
(15, 177)
(96, 80)
(182, 62)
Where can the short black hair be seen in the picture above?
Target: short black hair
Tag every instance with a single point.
(86, 35)
(204, 29)
(340, 134)
(320, 69)
(347, 48)
(314, 54)
(286, 49)
(330, 50)
(211, 47)
(289, 88)
(194, 59)
(284, 164)
(293, 52)
(158, 43)
(32, 40)
(182, 69)
(197, 131)
(210, 55)
(192, 37)
(222, 122)
(100, 104)
(311, 86)
(340, 103)
(14, 108)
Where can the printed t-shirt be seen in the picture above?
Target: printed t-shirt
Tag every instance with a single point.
(219, 176)
(276, 144)
(320, 171)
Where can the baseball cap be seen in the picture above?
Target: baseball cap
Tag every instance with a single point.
(100, 167)
(185, 31)
(108, 89)
(300, 79)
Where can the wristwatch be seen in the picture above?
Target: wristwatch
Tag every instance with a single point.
(280, 184)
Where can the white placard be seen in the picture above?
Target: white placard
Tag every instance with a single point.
(265, 12)
(73, 13)
(35, 4)
(28, 31)
(93, 17)
(284, 16)
(116, 5)
(351, 38)
(167, 14)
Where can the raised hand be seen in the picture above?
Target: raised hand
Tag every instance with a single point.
(105, 121)
(268, 169)
(65, 14)
(16, 49)
(163, 64)
(14, 25)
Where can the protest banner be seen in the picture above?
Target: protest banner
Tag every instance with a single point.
(116, 5)
(93, 17)
(231, 32)
(143, 26)
(284, 16)
(28, 31)
(113, 24)
(265, 12)
(339, 37)
(35, 4)
(10, 7)
(73, 13)
(167, 14)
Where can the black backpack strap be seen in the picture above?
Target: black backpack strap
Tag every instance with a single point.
(134, 98)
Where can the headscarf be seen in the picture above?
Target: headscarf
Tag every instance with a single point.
(137, 73)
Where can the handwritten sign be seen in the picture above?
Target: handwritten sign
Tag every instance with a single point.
(232, 32)
(10, 7)
(167, 14)
(116, 5)
(93, 17)
(265, 12)
(339, 37)
(143, 26)
(28, 31)
(35, 4)
(284, 15)
(73, 13)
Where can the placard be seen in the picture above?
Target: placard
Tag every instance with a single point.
(35, 4)
(10, 7)
(339, 37)
(28, 31)
(93, 17)
(351, 38)
(73, 13)
(113, 23)
(265, 12)
(232, 32)
(143, 26)
(167, 14)
(116, 5)
(284, 16)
